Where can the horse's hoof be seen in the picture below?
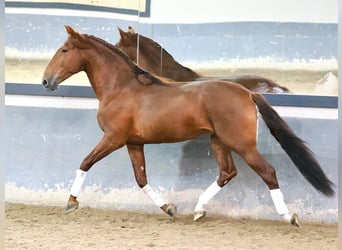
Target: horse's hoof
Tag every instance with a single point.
(294, 220)
(71, 206)
(199, 215)
(171, 210)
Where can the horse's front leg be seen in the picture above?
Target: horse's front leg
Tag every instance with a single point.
(106, 146)
(136, 153)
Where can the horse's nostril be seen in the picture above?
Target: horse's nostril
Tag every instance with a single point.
(45, 83)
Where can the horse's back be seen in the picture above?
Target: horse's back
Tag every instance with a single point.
(221, 92)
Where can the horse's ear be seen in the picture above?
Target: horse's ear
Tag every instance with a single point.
(70, 30)
(122, 33)
(125, 39)
(74, 34)
(131, 30)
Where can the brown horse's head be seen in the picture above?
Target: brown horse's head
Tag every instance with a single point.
(66, 61)
(153, 57)
(150, 52)
(128, 43)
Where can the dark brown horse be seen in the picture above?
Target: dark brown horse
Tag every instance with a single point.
(155, 59)
(137, 108)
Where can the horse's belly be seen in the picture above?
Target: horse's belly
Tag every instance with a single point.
(165, 137)
(167, 130)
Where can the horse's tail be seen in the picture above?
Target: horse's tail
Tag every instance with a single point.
(296, 149)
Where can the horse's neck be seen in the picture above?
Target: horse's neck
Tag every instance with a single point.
(170, 68)
(107, 74)
(178, 72)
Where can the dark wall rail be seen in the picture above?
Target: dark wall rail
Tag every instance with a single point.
(87, 91)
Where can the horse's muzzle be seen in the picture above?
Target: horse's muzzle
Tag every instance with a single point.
(49, 85)
(45, 83)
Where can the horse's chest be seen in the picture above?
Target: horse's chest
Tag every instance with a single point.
(114, 119)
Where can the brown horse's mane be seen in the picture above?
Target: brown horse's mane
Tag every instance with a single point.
(149, 42)
(152, 79)
(144, 39)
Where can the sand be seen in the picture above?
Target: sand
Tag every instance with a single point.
(44, 227)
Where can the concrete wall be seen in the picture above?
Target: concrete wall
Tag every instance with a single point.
(2, 115)
(46, 145)
(193, 11)
(227, 30)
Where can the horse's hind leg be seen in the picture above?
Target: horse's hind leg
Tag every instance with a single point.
(268, 174)
(136, 154)
(227, 172)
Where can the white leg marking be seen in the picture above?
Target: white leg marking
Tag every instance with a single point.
(78, 182)
(153, 195)
(279, 203)
(206, 196)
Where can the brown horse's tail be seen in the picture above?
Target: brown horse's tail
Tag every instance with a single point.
(296, 149)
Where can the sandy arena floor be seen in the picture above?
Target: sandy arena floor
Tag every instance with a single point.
(39, 227)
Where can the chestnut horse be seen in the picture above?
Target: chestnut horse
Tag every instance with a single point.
(137, 108)
(155, 59)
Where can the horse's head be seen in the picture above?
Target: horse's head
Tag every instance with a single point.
(128, 43)
(152, 56)
(149, 51)
(66, 61)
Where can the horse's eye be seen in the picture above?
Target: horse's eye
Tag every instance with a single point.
(64, 50)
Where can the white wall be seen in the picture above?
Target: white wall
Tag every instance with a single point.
(2, 102)
(202, 11)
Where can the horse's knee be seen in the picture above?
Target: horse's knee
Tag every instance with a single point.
(141, 182)
(225, 177)
(140, 176)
